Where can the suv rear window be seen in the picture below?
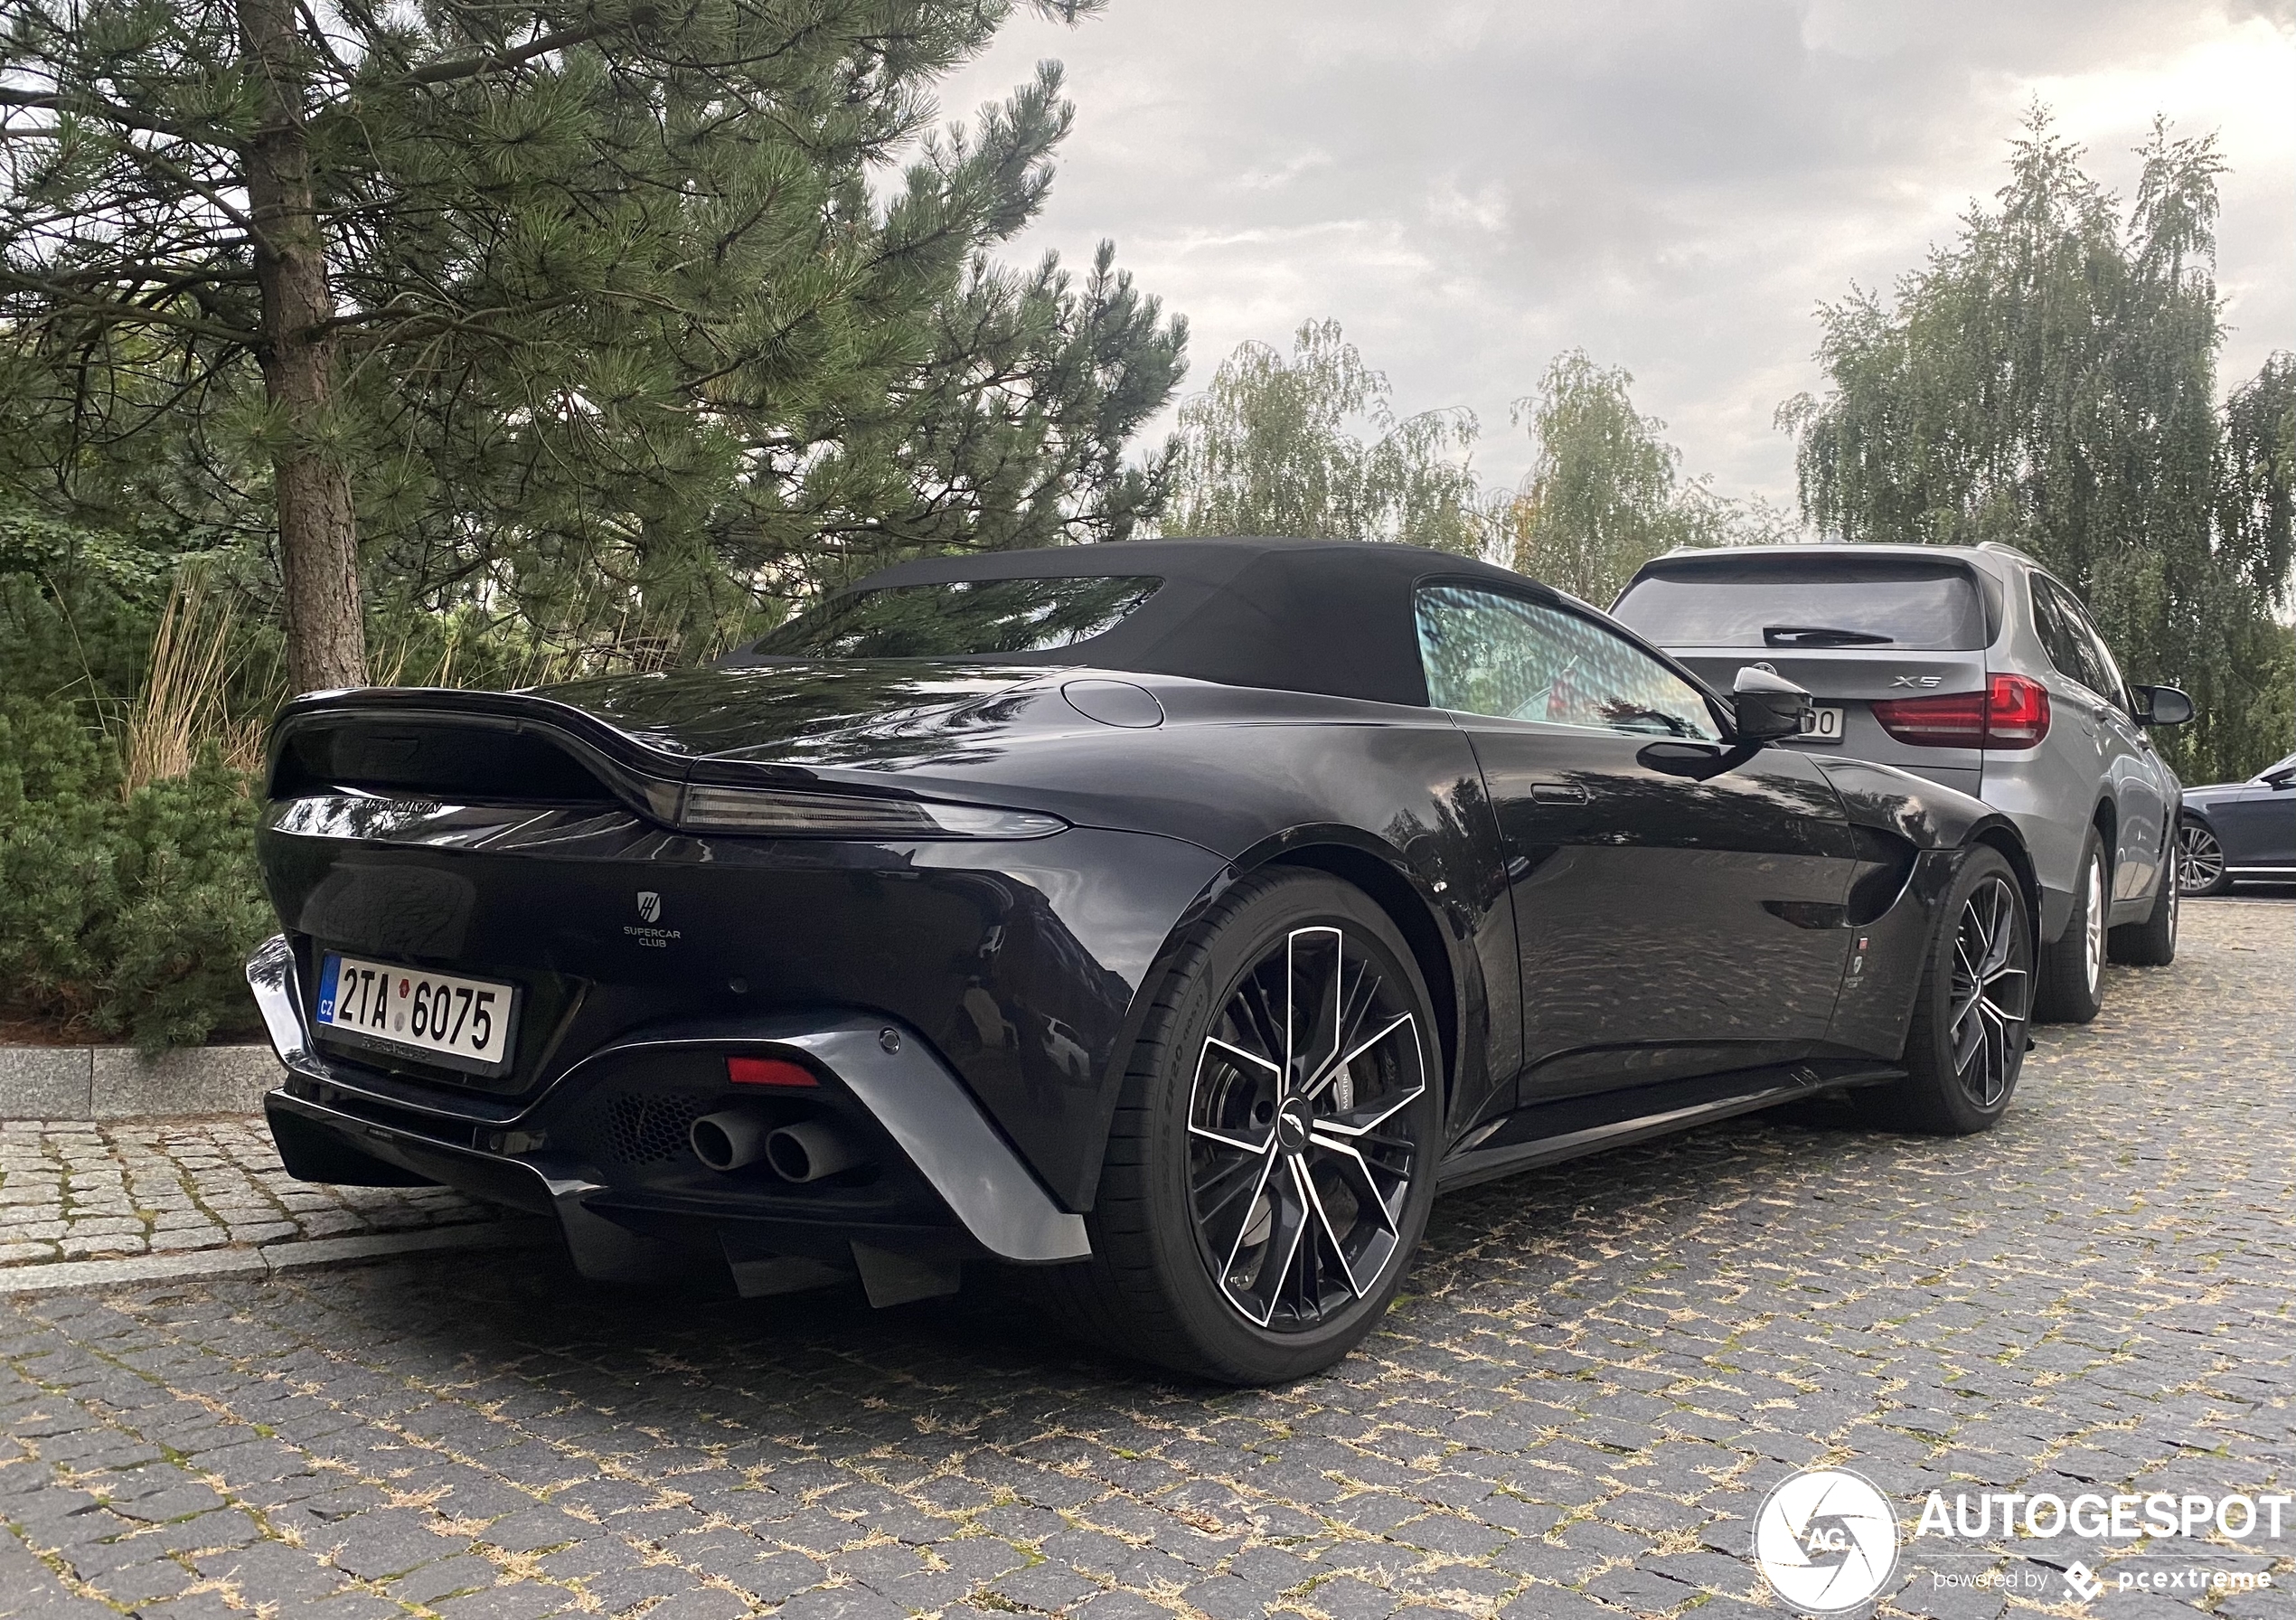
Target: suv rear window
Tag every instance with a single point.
(1774, 601)
(960, 619)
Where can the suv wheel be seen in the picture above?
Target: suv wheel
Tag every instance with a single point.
(2152, 943)
(2072, 985)
(1272, 1156)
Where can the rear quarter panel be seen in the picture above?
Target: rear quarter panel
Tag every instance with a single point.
(1019, 961)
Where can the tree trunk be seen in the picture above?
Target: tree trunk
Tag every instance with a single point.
(318, 532)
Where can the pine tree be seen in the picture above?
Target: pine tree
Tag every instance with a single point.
(582, 309)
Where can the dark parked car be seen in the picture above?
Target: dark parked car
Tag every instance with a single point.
(1172, 919)
(2234, 830)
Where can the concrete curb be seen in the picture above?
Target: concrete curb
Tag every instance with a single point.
(118, 1082)
(63, 1276)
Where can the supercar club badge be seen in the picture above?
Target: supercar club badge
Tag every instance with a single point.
(1826, 1539)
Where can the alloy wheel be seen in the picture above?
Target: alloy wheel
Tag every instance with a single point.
(1992, 992)
(2092, 928)
(2200, 859)
(1298, 1169)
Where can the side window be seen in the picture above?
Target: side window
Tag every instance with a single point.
(2059, 638)
(2066, 634)
(1488, 653)
(2101, 655)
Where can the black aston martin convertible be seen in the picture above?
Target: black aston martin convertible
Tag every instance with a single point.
(1173, 919)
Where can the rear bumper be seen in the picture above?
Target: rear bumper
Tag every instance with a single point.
(602, 1149)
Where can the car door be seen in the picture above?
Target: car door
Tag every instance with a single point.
(2129, 767)
(2258, 828)
(1678, 904)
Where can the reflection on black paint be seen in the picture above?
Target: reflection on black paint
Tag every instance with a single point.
(1649, 913)
(1002, 955)
(394, 909)
(819, 713)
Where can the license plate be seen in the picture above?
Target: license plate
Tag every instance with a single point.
(1821, 725)
(440, 1018)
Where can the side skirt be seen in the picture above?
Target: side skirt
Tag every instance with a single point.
(1549, 1133)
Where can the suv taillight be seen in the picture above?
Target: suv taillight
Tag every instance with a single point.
(2012, 712)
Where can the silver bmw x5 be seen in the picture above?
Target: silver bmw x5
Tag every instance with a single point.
(1974, 668)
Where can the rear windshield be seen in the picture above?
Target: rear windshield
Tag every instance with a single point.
(1791, 602)
(961, 618)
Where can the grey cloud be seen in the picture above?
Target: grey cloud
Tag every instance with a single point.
(1470, 189)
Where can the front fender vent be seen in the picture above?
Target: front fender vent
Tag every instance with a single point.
(1885, 862)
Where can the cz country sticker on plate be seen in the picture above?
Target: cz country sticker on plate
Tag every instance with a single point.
(440, 1018)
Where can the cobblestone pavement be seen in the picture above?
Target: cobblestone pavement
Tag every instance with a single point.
(75, 1192)
(1596, 1372)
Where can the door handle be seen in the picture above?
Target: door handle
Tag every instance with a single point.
(1558, 793)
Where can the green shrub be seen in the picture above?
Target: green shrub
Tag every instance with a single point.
(121, 919)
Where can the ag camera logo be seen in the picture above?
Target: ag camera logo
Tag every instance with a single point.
(1826, 1539)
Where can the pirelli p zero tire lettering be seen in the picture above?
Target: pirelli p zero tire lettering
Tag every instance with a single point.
(1272, 1159)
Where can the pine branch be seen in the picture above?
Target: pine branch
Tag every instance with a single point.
(147, 274)
(214, 199)
(96, 107)
(471, 67)
(120, 313)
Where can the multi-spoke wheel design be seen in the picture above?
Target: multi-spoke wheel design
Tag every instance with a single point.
(1991, 995)
(1965, 1044)
(2200, 860)
(1298, 1172)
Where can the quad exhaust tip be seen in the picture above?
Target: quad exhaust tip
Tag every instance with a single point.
(808, 1151)
(734, 1138)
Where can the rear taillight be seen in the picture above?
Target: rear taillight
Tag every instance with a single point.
(778, 813)
(2016, 712)
(2012, 712)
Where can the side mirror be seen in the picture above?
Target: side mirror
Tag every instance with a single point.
(1766, 706)
(2160, 705)
(2279, 781)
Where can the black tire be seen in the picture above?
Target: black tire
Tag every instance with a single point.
(1966, 1046)
(1203, 1123)
(2152, 943)
(2201, 868)
(2071, 984)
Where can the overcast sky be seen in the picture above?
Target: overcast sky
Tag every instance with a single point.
(1674, 186)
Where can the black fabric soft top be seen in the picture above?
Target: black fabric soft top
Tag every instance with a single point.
(1334, 616)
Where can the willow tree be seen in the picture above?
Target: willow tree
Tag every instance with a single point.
(1312, 446)
(550, 304)
(1598, 501)
(2048, 380)
(1606, 491)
